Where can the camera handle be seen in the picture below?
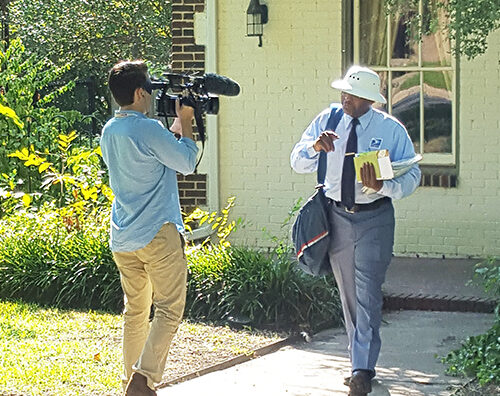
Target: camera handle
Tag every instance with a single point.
(198, 117)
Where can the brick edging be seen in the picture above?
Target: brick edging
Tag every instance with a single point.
(422, 302)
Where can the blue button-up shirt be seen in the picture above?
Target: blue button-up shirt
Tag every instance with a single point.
(376, 130)
(142, 157)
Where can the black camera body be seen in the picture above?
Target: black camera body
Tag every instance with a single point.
(165, 104)
(198, 92)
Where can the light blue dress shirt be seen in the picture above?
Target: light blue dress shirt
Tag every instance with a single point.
(376, 130)
(143, 157)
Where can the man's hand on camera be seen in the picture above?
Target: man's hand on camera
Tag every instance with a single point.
(176, 126)
(185, 115)
(325, 141)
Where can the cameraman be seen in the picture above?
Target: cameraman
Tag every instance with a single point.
(143, 157)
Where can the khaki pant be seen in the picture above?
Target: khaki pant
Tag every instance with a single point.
(154, 274)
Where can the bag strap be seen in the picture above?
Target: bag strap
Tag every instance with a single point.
(334, 119)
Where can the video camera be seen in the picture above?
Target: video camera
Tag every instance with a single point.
(194, 91)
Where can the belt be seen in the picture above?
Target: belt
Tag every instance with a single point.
(362, 207)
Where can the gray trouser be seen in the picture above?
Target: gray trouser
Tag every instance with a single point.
(360, 253)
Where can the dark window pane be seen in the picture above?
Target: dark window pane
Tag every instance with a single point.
(406, 103)
(404, 35)
(437, 112)
(436, 46)
(404, 48)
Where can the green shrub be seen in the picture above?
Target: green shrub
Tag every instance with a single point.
(73, 176)
(207, 266)
(61, 257)
(479, 356)
(57, 257)
(247, 286)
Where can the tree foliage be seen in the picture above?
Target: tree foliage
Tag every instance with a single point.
(470, 21)
(92, 35)
(30, 118)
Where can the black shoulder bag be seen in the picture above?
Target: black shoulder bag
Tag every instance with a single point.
(311, 229)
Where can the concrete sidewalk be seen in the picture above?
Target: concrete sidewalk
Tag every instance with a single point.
(411, 340)
(407, 364)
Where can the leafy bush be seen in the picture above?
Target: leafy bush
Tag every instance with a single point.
(479, 356)
(73, 175)
(58, 257)
(247, 286)
(61, 257)
(32, 126)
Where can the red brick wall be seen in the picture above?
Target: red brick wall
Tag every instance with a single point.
(187, 57)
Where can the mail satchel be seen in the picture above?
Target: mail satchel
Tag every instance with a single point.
(311, 230)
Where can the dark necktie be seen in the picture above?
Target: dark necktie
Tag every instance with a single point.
(348, 173)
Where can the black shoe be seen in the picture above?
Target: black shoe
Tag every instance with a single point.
(360, 384)
(138, 386)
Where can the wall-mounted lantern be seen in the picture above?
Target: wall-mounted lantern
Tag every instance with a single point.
(256, 18)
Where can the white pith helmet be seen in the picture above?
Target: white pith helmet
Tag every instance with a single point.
(362, 82)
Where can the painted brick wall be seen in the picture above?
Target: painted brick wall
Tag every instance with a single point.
(284, 84)
(187, 57)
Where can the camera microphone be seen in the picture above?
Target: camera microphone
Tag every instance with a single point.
(220, 85)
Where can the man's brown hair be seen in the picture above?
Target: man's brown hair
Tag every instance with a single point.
(124, 78)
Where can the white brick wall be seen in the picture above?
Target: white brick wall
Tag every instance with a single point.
(285, 84)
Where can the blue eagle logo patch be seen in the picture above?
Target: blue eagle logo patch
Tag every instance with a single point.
(376, 143)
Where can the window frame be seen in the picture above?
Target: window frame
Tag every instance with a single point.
(439, 159)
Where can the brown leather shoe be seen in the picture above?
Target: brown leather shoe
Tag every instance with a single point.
(138, 386)
(360, 383)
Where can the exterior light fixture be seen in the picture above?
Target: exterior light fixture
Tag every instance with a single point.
(256, 18)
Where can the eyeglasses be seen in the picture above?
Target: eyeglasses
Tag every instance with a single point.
(148, 87)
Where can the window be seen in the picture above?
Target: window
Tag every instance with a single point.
(410, 49)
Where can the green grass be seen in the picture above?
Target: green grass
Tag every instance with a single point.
(54, 352)
(48, 351)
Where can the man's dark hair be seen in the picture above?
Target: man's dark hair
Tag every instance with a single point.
(124, 78)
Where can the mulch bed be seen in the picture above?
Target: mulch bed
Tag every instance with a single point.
(198, 346)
